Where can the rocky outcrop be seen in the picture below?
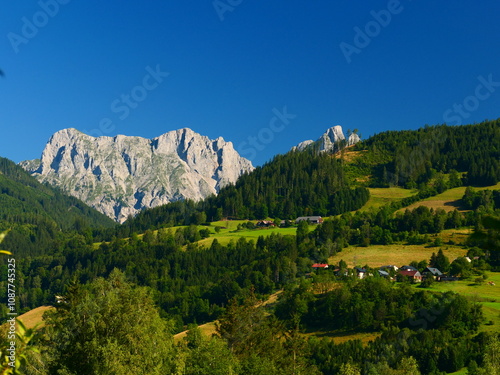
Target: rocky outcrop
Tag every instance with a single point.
(121, 175)
(353, 139)
(331, 141)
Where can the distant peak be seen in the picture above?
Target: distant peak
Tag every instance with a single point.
(329, 140)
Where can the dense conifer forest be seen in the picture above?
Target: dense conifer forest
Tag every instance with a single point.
(408, 157)
(38, 214)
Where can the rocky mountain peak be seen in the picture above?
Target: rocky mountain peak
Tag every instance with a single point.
(330, 141)
(121, 175)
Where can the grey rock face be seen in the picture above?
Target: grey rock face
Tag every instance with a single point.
(303, 145)
(330, 141)
(353, 139)
(121, 175)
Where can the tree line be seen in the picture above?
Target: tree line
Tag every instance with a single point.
(407, 158)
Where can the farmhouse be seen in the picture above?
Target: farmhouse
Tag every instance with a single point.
(361, 272)
(265, 224)
(311, 219)
(411, 274)
(432, 272)
(317, 266)
(341, 272)
(384, 274)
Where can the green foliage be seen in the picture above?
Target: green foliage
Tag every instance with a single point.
(194, 337)
(491, 356)
(488, 200)
(411, 157)
(109, 327)
(294, 303)
(487, 236)
(211, 357)
(16, 362)
(372, 303)
(440, 261)
(119, 324)
(461, 267)
(263, 344)
(2, 237)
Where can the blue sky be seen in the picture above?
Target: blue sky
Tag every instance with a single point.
(264, 75)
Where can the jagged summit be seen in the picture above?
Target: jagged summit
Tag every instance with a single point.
(330, 140)
(121, 175)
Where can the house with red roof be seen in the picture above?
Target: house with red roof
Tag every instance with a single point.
(411, 274)
(317, 266)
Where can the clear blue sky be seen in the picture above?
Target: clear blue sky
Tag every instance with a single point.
(233, 69)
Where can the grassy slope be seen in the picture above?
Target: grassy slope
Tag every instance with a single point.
(461, 372)
(207, 329)
(382, 196)
(397, 254)
(228, 232)
(344, 336)
(449, 200)
(34, 317)
(484, 293)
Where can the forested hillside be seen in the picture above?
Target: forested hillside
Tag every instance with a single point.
(37, 212)
(409, 157)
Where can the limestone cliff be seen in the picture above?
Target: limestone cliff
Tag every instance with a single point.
(121, 175)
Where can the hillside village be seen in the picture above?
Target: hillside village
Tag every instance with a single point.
(391, 272)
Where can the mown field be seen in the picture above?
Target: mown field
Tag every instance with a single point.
(396, 254)
(457, 236)
(382, 196)
(375, 256)
(228, 232)
(34, 317)
(449, 200)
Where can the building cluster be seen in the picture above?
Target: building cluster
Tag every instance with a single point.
(391, 272)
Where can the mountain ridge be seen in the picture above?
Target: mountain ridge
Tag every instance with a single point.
(121, 175)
